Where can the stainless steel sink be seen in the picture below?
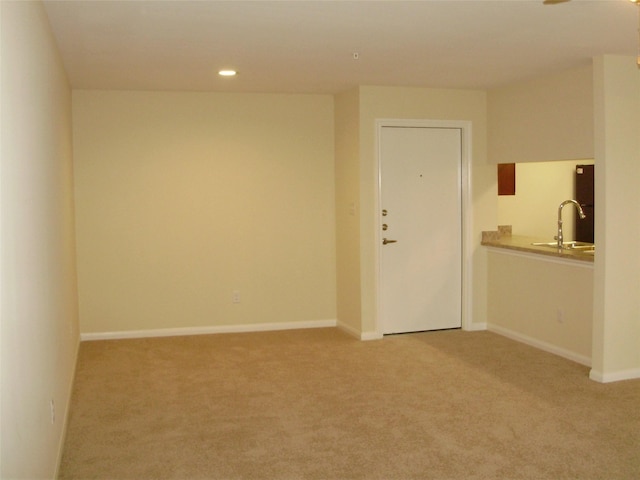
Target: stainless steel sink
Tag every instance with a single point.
(585, 247)
(573, 245)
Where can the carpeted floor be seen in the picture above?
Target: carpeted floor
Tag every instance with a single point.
(318, 404)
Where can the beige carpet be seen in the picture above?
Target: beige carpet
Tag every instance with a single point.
(318, 404)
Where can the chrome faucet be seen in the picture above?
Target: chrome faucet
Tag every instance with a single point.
(559, 237)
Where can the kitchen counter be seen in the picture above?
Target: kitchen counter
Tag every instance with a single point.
(502, 238)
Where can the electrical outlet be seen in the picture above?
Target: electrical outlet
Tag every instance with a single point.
(235, 297)
(52, 407)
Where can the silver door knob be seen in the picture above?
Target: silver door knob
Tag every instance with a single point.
(386, 240)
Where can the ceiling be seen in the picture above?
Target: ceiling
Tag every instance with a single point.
(309, 46)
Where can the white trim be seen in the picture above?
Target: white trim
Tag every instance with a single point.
(467, 234)
(357, 333)
(542, 257)
(365, 336)
(466, 214)
(630, 374)
(476, 327)
(534, 342)
(175, 332)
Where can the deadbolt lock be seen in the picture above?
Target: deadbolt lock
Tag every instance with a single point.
(384, 213)
(385, 226)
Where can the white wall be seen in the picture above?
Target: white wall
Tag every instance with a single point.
(540, 188)
(183, 198)
(39, 327)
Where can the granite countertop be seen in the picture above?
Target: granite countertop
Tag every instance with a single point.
(502, 238)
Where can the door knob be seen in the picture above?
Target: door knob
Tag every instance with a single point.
(386, 240)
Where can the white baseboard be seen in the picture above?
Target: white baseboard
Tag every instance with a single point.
(175, 332)
(371, 336)
(630, 374)
(534, 342)
(358, 334)
(475, 327)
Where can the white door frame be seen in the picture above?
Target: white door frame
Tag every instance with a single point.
(466, 204)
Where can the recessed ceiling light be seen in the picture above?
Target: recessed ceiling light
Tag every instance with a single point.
(227, 73)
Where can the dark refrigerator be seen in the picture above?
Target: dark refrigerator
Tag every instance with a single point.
(584, 196)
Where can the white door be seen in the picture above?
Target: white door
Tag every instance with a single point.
(420, 192)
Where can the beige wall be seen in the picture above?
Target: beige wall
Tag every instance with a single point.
(540, 188)
(432, 104)
(613, 98)
(547, 118)
(183, 198)
(39, 328)
(616, 339)
(542, 302)
(347, 182)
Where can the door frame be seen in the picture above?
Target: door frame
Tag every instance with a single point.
(464, 190)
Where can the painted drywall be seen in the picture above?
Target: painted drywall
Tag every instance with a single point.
(541, 302)
(431, 104)
(616, 337)
(347, 184)
(540, 188)
(39, 321)
(184, 198)
(543, 119)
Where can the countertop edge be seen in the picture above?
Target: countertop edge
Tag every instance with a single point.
(524, 244)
